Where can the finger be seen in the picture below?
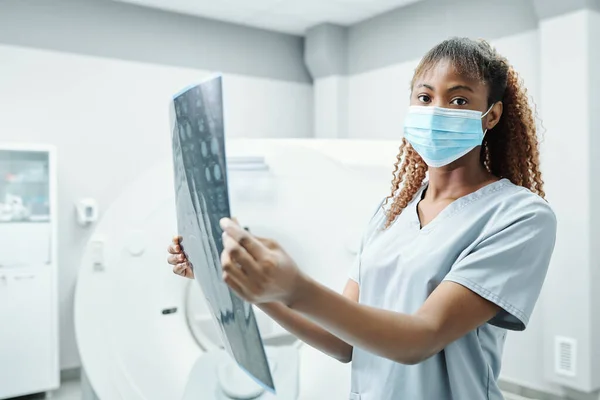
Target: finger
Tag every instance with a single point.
(173, 260)
(235, 286)
(176, 259)
(240, 256)
(234, 219)
(254, 247)
(180, 269)
(251, 283)
(174, 248)
(177, 239)
(189, 271)
(232, 268)
(268, 243)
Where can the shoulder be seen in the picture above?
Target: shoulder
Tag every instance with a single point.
(515, 204)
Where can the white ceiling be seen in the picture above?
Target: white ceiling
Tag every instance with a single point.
(290, 16)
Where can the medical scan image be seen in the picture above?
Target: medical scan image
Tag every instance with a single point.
(202, 199)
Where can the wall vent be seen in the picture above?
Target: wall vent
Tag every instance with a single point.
(565, 356)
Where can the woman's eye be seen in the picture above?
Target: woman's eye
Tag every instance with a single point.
(423, 98)
(459, 102)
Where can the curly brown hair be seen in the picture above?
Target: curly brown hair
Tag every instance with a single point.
(509, 150)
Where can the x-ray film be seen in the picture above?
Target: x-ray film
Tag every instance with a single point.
(202, 200)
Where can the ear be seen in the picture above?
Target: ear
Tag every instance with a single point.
(493, 117)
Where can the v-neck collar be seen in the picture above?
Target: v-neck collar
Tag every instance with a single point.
(453, 207)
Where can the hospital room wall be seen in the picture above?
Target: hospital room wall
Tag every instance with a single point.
(109, 120)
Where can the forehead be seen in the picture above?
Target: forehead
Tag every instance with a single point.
(444, 74)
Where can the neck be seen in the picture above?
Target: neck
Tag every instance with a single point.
(457, 179)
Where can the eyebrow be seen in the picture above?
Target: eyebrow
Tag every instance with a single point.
(427, 86)
(460, 87)
(452, 89)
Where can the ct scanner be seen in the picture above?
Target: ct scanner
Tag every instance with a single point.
(144, 333)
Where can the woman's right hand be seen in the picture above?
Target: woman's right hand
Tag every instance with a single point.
(180, 263)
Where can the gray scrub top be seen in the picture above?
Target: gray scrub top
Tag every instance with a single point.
(496, 242)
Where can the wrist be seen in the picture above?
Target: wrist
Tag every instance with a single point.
(301, 289)
(270, 306)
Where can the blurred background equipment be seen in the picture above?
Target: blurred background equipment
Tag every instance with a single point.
(315, 197)
(28, 270)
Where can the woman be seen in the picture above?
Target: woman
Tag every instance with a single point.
(447, 265)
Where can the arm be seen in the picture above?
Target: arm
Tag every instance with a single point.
(449, 313)
(261, 272)
(311, 333)
(498, 282)
(304, 329)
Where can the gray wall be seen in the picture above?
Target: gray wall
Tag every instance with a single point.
(402, 34)
(405, 33)
(326, 50)
(552, 8)
(118, 30)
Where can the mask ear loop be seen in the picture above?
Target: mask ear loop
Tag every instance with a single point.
(486, 113)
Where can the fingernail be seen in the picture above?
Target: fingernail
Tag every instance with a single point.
(225, 223)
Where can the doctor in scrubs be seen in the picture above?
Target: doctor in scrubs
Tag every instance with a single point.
(453, 258)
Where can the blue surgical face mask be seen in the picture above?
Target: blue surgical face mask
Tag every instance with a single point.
(443, 135)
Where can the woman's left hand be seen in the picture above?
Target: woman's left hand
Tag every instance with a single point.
(257, 269)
